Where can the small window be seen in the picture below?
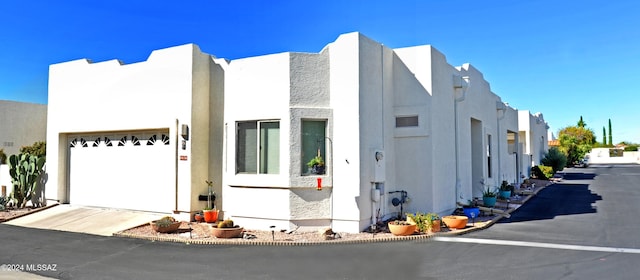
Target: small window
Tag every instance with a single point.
(407, 121)
(313, 147)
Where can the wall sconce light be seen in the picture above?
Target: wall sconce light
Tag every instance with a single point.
(379, 156)
(185, 132)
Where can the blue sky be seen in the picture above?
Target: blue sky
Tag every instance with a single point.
(565, 59)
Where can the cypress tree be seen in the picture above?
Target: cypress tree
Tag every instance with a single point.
(610, 137)
(604, 136)
(581, 123)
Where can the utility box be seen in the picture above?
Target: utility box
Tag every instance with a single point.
(379, 166)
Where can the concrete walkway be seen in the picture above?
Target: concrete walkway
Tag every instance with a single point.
(82, 219)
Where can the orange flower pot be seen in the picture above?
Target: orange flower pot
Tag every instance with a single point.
(435, 226)
(210, 216)
(226, 232)
(402, 230)
(455, 222)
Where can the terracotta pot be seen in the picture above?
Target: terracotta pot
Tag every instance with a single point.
(435, 226)
(226, 232)
(165, 229)
(210, 216)
(455, 222)
(198, 217)
(402, 230)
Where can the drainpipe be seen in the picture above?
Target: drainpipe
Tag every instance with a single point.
(176, 140)
(461, 83)
(500, 107)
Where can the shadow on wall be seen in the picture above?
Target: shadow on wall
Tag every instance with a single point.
(557, 200)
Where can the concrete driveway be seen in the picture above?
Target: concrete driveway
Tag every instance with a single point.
(82, 219)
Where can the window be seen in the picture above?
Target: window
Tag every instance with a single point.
(407, 121)
(258, 147)
(313, 144)
(489, 171)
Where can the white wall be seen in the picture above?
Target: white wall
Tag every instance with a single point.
(533, 139)
(601, 156)
(161, 92)
(5, 178)
(437, 164)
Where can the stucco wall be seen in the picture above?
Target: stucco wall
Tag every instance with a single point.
(21, 124)
(288, 87)
(533, 139)
(161, 92)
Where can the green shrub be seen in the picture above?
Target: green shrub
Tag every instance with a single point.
(555, 159)
(37, 149)
(631, 148)
(424, 222)
(542, 172)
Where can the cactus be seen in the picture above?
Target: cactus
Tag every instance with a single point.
(165, 221)
(226, 224)
(25, 170)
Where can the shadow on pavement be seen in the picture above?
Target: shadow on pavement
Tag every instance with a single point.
(557, 200)
(578, 176)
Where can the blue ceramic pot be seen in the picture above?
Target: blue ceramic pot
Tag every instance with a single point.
(505, 194)
(471, 212)
(489, 201)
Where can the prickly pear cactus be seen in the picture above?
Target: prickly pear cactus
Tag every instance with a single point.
(25, 170)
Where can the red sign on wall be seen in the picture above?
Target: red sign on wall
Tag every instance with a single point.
(183, 157)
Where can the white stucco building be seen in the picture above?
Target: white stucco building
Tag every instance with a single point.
(534, 141)
(384, 120)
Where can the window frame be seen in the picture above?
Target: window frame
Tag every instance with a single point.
(261, 156)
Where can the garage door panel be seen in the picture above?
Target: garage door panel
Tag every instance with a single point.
(134, 170)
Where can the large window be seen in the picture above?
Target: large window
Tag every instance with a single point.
(313, 145)
(258, 147)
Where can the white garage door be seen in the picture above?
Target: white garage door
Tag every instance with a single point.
(128, 170)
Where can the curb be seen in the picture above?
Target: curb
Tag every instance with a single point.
(242, 242)
(36, 210)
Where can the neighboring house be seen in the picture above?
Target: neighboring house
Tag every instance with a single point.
(534, 140)
(21, 124)
(384, 120)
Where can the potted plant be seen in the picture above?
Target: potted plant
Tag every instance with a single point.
(489, 197)
(316, 165)
(209, 213)
(429, 222)
(226, 229)
(401, 228)
(166, 224)
(505, 190)
(471, 210)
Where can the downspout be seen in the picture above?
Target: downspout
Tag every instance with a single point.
(463, 84)
(175, 159)
(374, 204)
(500, 107)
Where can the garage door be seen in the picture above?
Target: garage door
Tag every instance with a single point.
(127, 170)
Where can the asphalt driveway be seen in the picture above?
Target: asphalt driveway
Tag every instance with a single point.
(595, 206)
